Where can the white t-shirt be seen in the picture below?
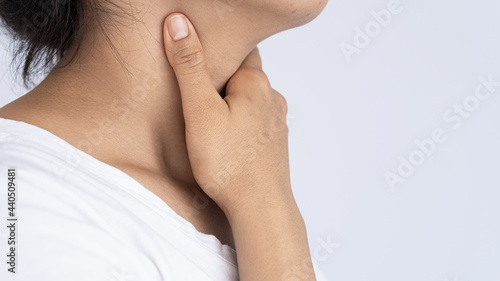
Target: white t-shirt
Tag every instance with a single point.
(79, 219)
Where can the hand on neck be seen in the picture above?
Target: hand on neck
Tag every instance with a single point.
(139, 94)
(132, 86)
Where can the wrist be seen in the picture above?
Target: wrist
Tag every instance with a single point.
(267, 207)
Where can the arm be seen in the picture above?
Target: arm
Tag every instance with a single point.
(238, 150)
(271, 242)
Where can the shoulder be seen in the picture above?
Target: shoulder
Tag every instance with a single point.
(61, 232)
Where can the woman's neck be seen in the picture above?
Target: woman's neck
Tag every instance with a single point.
(141, 102)
(123, 107)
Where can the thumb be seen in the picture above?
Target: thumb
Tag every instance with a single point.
(186, 56)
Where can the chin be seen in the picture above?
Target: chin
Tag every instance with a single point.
(293, 13)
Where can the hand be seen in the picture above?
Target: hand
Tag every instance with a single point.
(237, 145)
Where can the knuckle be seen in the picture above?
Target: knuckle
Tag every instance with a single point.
(189, 60)
(254, 77)
(282, 102)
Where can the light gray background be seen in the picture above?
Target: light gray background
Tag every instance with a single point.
(350, 121)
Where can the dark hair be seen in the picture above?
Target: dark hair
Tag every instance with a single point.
(44, 30)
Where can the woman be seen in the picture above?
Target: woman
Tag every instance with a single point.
(151, 151)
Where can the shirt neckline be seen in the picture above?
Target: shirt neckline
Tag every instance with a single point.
(33, 134)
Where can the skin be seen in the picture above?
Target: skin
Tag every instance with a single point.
(182, 145)
(249, 180)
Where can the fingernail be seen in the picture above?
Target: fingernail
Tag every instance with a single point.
(177, 27)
